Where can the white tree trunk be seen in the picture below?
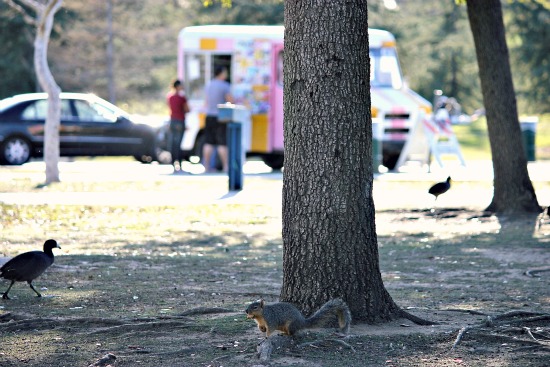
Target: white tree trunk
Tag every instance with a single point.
(45, 13)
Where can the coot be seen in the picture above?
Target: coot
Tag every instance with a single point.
(28, 266)
(440, 188)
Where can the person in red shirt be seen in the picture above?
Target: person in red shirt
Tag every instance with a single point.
(178, 108)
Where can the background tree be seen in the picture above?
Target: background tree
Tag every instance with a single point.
(513, 190)
(529, 42)
(16, 62)
(43, 21)
(329, 238)
(435, 47)
(241, 12)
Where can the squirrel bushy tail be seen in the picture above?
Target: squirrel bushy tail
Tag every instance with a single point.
(327, 312)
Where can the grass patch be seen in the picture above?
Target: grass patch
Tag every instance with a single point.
(474, 139)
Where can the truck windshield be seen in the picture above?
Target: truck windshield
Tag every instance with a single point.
(384, 68)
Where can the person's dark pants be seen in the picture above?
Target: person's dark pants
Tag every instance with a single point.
(176, 136)
(215, 132)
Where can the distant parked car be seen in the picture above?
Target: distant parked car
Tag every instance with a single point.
(90, 126)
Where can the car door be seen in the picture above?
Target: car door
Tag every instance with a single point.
(101, 131)
(33, 115)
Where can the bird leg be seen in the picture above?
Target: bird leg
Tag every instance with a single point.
(35, 291)
(5, 295)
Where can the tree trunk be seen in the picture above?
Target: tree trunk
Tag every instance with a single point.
(513, 190)
(45, 12)
(45, 18)
(330, 247)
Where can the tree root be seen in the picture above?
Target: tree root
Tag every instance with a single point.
(98, 324)
(319, 344)
(278, 342)
(471, 312)
(274, 342)
(205, 311)
(533, 273)
(105, 361)
(417, 320)
(500, 324)
(514, 313)
(531, 347)
(142, 326)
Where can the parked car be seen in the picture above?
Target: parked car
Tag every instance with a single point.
(90, 126)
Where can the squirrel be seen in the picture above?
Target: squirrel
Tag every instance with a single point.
(287, 318)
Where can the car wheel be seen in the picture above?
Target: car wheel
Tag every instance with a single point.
(143, 158)
(15, 151)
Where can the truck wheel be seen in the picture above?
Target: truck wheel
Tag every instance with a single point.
(275, 161)
(15, 150)
(390, 160)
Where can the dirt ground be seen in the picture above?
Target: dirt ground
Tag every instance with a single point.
(168, 286)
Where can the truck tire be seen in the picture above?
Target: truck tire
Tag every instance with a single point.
(389, 160)
(275, 161)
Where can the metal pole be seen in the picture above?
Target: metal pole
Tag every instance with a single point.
(235, 156)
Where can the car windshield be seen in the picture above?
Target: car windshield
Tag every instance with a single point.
(107, 109)
(384, 68)
(7, 103)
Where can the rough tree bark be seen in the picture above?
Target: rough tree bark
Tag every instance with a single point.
(513, 190)
(330, 246)
(43, 21)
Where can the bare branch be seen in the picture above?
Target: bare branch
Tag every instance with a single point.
(52, 6)
(26, 17)
(528, 331)
(461, 333)
(35, 5)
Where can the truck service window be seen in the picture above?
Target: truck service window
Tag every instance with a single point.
(195, 76)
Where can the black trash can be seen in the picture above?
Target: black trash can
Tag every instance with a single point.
(377, 135)
(529, 132)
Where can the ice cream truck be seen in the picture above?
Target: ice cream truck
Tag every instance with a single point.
(254, 57)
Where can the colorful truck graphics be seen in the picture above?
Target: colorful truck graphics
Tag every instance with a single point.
(254, 57)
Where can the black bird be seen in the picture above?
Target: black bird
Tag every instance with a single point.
(440, 188)
(28, 266)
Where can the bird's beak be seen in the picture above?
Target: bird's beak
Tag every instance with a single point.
(59, 247)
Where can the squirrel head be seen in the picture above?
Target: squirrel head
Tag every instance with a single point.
(255, 309)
